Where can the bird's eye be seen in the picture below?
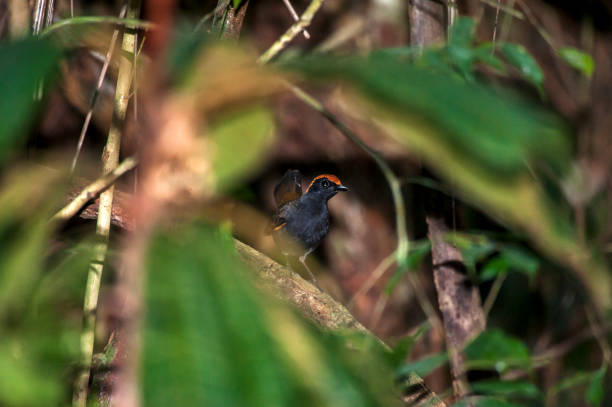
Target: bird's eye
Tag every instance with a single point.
(325, 184)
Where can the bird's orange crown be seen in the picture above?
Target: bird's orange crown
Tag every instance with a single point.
(330, 177)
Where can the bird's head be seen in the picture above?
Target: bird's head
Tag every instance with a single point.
(326, 186)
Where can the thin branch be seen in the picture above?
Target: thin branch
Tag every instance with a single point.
(596, 330)
(376, 275)
(534, 21)
(110, 160)
(94, 97)
(131, 23)
(290, 34)
(497, 8)
(497, 284)
(38, 20)
(50, 9)
(506, 9)
(295, 17)
(94, 189)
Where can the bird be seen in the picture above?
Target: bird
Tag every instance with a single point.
(301, 220)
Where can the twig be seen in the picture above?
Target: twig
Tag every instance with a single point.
(38, 21)
(423, 300)
(110, 159)
(497, 284)
(451, 11)
(506, 9)
(94, 97)
(596, 330)
(534, 21)
(295, 17)
(495, 30)
(559, 350)
(94, 189)
(290, 34)
(50, 8)
(378, 272)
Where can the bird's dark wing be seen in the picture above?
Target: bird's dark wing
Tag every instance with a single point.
(278, 219)
(289, 188)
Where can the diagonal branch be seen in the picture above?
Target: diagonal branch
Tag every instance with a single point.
(94, 189)
(292, 32)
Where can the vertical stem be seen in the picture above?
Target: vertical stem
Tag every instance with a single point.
(37, 18)
(110, 160)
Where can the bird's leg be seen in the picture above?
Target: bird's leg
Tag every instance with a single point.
(312, 277)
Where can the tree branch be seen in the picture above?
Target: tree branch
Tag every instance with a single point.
(291, 33)
(94, 189)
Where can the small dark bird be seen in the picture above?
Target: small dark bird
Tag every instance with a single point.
(301, 221)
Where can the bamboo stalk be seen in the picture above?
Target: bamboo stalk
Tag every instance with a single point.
(110, 160)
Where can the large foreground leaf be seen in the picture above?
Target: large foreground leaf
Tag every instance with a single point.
(25, 64)
(211, 339)
(491, 146)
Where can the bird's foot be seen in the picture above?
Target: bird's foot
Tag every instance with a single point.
(313, 280)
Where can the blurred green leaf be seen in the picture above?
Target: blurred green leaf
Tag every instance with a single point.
(495, 349)
(520, 260)
(462, 32)
(40, 297)
(22, 384)
(494, 267)
(27, 63)
(237, 3)
(510, 258)
(485, 402)
(506, 388)
(241, 139)
(418, 251)
(424, 366)
(403, 348)
(595, 392)
(211, 339)
(518, 56)
(485, 55)
(485, 143)
(578, 60)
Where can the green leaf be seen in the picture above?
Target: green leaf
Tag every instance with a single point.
(424, 366)
(495, 349)
(506, 388)
(595, 392)
(241, 139)
(40, 297)
(579, 60)
(520, 260)
(212, 339)
(481, 141)
(483, 53)
(519, 57)
(493, 268)
(237, 3)
(462, 32)
(403, 348)
(31, 62)
(416, 254)
(485, 402)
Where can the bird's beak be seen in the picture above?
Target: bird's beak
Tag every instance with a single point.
(341, 188)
